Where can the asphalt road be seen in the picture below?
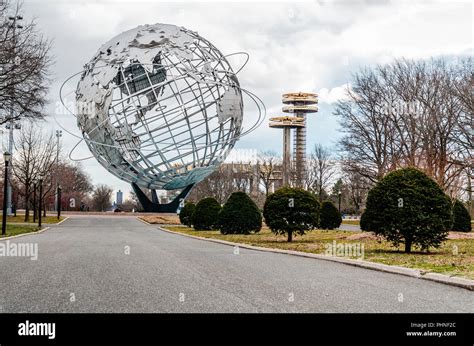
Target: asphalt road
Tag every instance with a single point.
(83, 266)
(346, 227)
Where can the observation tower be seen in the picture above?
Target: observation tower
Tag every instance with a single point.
(297, 104)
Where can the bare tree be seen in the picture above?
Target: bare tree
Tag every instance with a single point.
(24, 64)
(101, 197)
(75, 182)
(131, 203)
(240, 174)
(357, 188)
(321, 170)
(408, 113)
(218, 185)
(368, 132)
(236, 176)
(463, 133)
(267, 166)
(34, 158)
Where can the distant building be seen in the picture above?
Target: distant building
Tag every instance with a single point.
(119, 197)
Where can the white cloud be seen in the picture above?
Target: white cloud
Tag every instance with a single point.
(333, 95)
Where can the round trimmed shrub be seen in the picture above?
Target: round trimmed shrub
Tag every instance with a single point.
(461, 218)
(206, 213)
(363, 222)
(291, 211)
(330, 217)
(186, 214)
(239, 215)
(408, 207)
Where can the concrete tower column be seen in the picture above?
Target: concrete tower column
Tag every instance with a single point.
(300, 152)
(286, 156)
(298, 104)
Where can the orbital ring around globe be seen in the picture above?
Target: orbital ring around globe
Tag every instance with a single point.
(166, 107)
(261, 109)
(261, 112)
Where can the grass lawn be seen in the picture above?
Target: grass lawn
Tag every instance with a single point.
(443, 260)
(13, 229)
(20, 218)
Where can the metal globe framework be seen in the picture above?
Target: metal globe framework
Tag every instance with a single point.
(160, 107)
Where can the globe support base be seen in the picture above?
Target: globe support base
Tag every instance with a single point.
(154, 206)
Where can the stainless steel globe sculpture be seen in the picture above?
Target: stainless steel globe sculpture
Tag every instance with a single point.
(159, 106)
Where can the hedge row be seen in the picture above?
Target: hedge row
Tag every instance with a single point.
(239, 215)
(405, 207)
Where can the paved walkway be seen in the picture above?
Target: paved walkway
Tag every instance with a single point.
(119, 264)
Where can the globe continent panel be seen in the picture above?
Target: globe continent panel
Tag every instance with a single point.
(159, 106)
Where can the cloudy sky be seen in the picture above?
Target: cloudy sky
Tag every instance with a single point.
(311, 46)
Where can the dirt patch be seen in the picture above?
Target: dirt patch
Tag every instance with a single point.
(372, 236)
(162, 219)
(363, 235)
(461, 235)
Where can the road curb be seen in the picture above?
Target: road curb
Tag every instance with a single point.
(414, 273)
(25, 234)
(145, 222)
(60, 222)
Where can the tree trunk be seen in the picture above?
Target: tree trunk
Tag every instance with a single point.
(469, 191)
(290, 236)
(27, 205)
(408, 245)
(27, 213)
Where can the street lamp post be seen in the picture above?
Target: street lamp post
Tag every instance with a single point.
(40, 182)
(35, 185)
(59, 202)
(59, 134)
(339, 193)
(6, 157)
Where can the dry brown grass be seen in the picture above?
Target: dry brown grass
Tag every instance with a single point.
(161, 219)
(461, 235)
